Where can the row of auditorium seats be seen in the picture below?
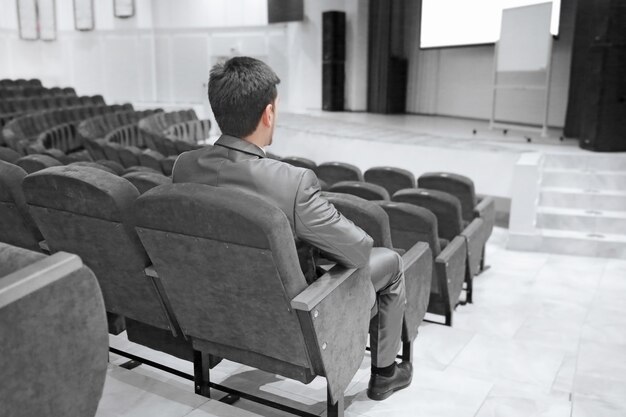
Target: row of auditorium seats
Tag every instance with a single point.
(181, 253)
(30, 91)
(454, 209)
(369, 215)
(33, 82)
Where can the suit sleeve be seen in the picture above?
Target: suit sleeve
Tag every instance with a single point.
(319, 223)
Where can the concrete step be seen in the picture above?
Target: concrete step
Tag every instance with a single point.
(581, 220)
(591, 162)
(583, 244)
(578, 198)
(586, 180)
(568, 242)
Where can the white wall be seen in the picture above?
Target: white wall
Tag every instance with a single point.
(164, 53)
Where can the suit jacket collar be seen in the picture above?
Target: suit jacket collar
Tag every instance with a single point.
(240, 145)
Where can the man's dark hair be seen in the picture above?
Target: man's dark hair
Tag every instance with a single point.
(239, 91)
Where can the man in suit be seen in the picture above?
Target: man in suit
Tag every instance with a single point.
(243, 96)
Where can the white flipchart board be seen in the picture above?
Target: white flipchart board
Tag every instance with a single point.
(522, 68)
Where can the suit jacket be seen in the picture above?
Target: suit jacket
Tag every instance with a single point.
(235, 163)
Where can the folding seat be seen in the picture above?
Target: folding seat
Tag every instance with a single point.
(95, 149)
(145, 181)
(111, 151)
(410, 224)
(300, 162)
(36, 162)
(472, 206)
(8, 155)
(151, 159)
(228, 263)
(129, 155)
(54, 339)
(332, 172)
(93, 165)
(16, 225)
(392, 179)
(360, 189)
(417, 259)
(87, 211)
(181, 146)
(139, 168)
(114, 166)
(447, 209)
(167, 165)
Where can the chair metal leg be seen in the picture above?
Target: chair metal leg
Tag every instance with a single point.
(201, 373)
(334, 409)
(449, 319)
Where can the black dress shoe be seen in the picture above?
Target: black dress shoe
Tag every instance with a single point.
(381, 387)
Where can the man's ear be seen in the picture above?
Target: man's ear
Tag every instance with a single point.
(268, 115)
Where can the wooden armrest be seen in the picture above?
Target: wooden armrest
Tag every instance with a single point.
(418, 271)
(320, 289)
(451, 266)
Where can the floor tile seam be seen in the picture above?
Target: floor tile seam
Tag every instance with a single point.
(461, 350)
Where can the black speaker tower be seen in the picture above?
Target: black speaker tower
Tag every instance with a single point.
(596, 112)
(333, 60)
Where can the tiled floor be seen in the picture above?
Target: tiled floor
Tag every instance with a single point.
(546, 336)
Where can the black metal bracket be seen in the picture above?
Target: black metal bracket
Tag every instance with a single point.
(230, 391)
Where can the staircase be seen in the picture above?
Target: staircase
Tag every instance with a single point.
(580, 206)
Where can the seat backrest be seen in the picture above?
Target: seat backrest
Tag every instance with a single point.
(35, 162)
(300, 162)
(86, 211)
(446, 207)
(411, 224)
(16, 225)
(360, 189)
(333, 172)
(9, 155)
(458, 185)
(228, 263)
(392, 179)
(92, 165)
(145, 181)
(54, 340)
(365, 214)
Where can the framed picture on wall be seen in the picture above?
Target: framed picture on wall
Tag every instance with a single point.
(124, 8)
(27, 19)
(84, 18)
(47, 20)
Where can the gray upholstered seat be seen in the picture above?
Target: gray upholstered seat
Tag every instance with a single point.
(391, 178)
(167, 165)
(151, 159)
(333, 172)
(93, 165)
(361, 189)
(297, 161)
(129, 155)
(54, 335)
(472, 205)
(447, 209)
(411, 224)
(145, 181)
(417, 258)
(8, 155)
(16, 225)
(115, 166)
(87, 211)
(36, 162)
(228, 263)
